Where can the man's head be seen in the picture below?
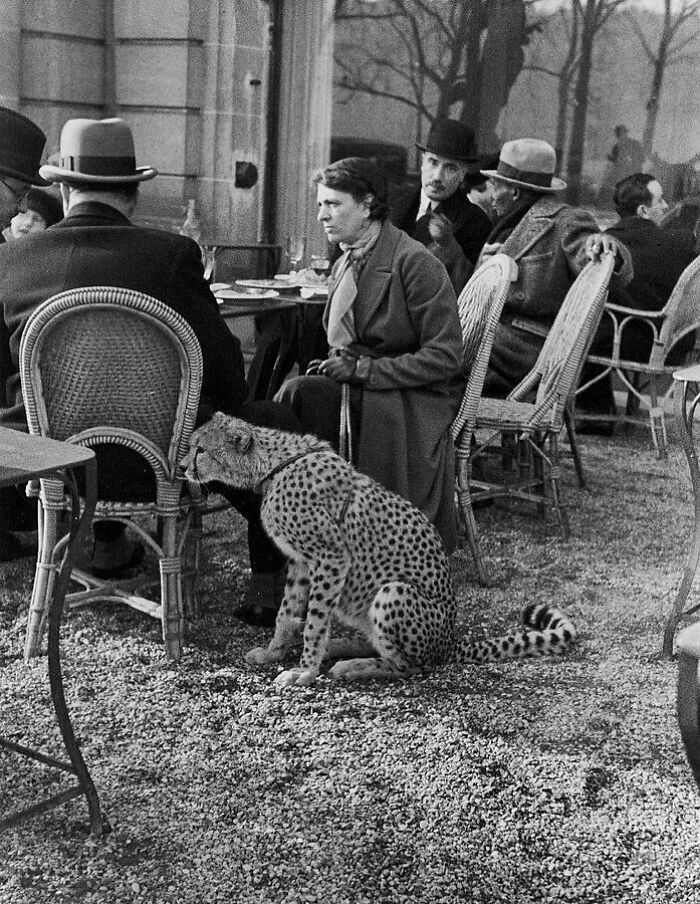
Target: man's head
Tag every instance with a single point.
(97, 159)
(621, 131)
(21, 146)
(448, 155)
(525, 170)
(640, 195)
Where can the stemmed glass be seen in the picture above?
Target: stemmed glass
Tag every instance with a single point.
(296, 246)
(208, 260)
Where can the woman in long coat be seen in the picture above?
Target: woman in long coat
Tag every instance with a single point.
(394, 334)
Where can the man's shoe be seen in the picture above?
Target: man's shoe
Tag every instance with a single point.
(115, 572)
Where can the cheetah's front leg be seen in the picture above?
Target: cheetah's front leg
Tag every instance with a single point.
(327, 577)
(290, 618)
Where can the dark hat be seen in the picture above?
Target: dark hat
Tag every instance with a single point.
(44, 203)
(529, 163)
(98, 151)
(453, 139)
(21, 146)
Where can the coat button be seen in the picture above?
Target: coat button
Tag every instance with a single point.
(520, 295)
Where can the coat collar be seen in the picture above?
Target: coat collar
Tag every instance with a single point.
(375, 277)
(536, 223)
(92, 213)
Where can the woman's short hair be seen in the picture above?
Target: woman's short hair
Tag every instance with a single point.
(46, 204)
(632, 191)
(359, 177)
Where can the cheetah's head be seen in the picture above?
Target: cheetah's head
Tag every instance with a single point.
(224, 449)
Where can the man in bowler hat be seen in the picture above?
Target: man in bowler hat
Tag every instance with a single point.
(440, 215)
(96, 244)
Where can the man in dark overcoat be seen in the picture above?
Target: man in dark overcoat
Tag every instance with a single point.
(658, 259)
(97, 244)
(439, 215)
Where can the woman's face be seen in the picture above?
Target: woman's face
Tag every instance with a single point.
(26, 222)
(343, 218)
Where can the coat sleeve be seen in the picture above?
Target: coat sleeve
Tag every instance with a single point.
(431, 308)
(223, 382)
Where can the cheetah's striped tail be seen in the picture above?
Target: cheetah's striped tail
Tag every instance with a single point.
(545, 631)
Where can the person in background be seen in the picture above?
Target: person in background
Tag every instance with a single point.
(480, 189)
(37, 210)
(551, 243)
(21, 147)
(96, 244)
(658, 259)
(394, 334)
(439, 215)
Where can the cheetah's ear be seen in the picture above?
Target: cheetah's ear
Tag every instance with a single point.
(239, 434)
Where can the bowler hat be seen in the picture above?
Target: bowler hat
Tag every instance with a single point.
(97, 151)
(451, 138)
(21, 146)
(528, 162)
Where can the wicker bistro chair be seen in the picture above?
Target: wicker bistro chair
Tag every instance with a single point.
(679, 317)
(480, 304)
(107, 365)
(534, 411)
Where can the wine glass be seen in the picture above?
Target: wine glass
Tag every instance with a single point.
(208, 259)
(296, 246)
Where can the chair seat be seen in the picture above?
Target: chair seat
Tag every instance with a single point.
(507, 414)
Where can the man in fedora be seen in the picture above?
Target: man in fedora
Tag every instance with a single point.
(96, 244)
(551, 243)
(439, 215)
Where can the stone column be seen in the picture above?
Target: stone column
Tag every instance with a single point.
(306, 96)
(10, 53)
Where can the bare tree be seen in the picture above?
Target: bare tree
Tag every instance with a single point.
(433, 55)
(594, 15)
(669, 50)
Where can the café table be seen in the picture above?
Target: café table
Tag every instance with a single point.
(25, 458)
(287, 332)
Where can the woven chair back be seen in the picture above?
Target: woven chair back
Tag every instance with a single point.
(561, 358)
(480, 304)
(113, 362)
(682, 312)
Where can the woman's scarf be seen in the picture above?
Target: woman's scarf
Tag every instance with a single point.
(341, 316)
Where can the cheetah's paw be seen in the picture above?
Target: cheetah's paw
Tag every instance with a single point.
(296, 678)
(262, 656)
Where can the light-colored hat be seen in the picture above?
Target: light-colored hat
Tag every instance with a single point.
(99, 151)
(530, 163)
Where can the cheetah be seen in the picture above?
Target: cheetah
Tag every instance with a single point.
(358, 554)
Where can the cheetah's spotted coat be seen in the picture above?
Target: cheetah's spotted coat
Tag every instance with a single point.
(358, 553)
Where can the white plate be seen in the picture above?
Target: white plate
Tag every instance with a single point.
(235, 294)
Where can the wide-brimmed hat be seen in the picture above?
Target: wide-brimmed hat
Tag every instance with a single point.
(453, 139)
(529, 163)
(21, 146)
(44, 203)
(98, 151)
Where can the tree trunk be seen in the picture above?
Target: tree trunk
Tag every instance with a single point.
(500, 62)
(657, 82)
(577, 139)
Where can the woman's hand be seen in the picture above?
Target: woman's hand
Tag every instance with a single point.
(340, 367)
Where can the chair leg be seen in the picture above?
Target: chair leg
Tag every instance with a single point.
(657, 421)
(554, 470)
(470, 526)
(172, 612)
(573, 443)
(44, 579)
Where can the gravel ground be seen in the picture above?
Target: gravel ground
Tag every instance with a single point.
(555, 780)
